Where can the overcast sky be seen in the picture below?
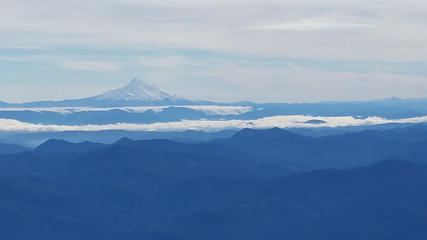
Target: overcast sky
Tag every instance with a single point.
(223, 50)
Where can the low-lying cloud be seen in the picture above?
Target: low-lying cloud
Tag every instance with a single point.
(291, 121)
(207, 109)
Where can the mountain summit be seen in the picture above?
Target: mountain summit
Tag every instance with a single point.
(136, 93)
(136, 90)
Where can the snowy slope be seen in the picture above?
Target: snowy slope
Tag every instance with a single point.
(136, 90)
(136, 93)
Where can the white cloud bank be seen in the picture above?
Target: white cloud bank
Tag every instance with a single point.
(291, 121)
(207, 109)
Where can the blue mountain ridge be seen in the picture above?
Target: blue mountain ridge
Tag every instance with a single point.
(277, 147)
(161, 189)
(256, 184)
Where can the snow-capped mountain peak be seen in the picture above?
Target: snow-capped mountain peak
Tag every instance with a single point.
(136, 90)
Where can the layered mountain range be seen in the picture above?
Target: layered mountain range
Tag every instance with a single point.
(144, 111)
(256, 184)
(365, 179)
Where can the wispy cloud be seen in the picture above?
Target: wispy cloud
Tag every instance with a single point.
(292, 121)
(313, 24)
(220, 25)
(168, 62)
(96, 66)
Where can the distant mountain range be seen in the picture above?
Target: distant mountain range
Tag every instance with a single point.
(273, 147)
(257, 184)
(141, 107)
(139, 93)
(313, 180)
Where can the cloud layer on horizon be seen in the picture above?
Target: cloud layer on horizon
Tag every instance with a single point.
(207, 109)
(291, 121)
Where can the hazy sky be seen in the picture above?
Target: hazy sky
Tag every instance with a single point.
(225, 50)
